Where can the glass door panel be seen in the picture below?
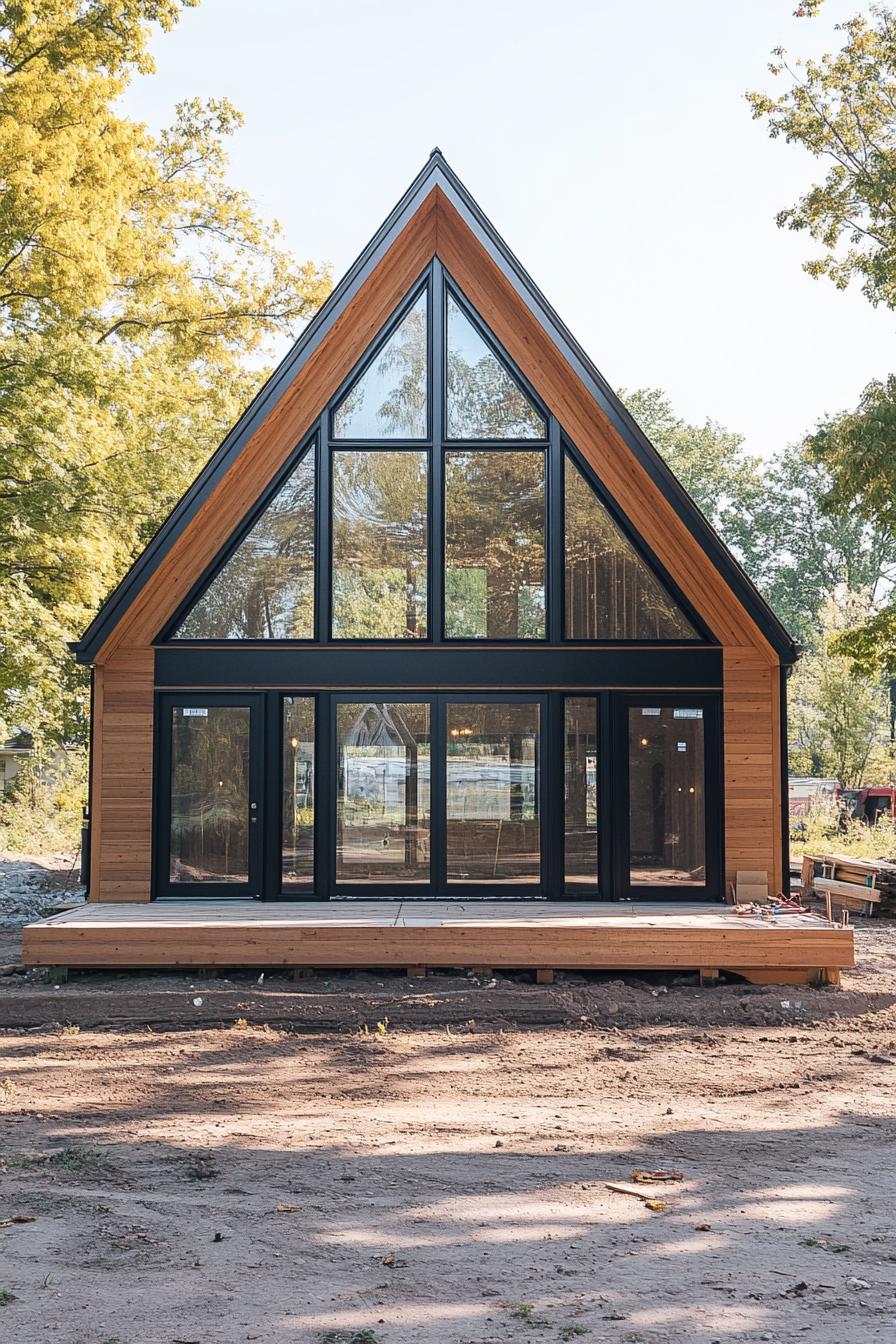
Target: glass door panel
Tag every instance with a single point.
(211, 830)
(580, 793)
(667, 796)
(493, 792)
(382, 792)
(297, 835)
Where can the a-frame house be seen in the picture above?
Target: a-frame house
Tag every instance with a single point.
(436, 622)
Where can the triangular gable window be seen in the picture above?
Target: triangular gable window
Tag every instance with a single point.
(388, 399)
(484, 400)
(611, 591)
(265, 590)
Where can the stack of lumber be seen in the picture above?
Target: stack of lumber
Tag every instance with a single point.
(861, 885)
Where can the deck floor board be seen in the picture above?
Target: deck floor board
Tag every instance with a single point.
(598, 935)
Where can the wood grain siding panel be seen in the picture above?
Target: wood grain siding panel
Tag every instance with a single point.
(121, 848)
(752, 765)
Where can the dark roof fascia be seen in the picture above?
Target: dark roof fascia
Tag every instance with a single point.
(99, 630)
(437, 173)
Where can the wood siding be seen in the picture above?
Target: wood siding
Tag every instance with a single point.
(751, 735)
(121, 820)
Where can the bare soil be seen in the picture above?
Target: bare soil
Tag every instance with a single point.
(295, 1172)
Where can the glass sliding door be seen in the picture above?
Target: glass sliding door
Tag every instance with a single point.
(580, 794)
(210, 797)
(297, 830)
(382, 792)
(493, 792)
(667, 814)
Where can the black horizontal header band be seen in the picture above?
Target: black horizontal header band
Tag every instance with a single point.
(418, 668)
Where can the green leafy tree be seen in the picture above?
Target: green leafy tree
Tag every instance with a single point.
(837, 720)
(842, 109)
(139, 294)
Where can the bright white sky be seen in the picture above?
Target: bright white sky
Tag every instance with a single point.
(608, 141)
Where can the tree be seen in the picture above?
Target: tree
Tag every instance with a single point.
(139, 292)
(837, 720)
(843, 110)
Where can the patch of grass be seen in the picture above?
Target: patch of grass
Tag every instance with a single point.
(71, 1030)
(366, 1336)
(7, 1089)
(382, 1027)
(75, 1159)
(568, 1332)
(525, 1312)
(825, 1244)
(6, 1297)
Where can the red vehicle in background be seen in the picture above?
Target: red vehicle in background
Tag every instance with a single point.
(870, 804)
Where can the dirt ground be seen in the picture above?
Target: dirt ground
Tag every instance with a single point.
(297, 1172)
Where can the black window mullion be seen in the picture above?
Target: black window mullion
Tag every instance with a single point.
(555, 536)
(436, 466)
(323, 555)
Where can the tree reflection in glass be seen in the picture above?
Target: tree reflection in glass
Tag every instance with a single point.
(209, 794)
(484, 400)
(379, 545)
(298, 791)
(611, 593)
(494, 545)
(266, 589)
(382, 798)
(389, 399)
(492, 794)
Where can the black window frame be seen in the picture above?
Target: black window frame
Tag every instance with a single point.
(163, 887)
(557, 446)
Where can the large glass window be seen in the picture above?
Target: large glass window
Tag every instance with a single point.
(611, 593)
(266, 588)
(379, 545)
(483, 398)
(298, 792)
(389, 399)
(494, 545)
(209, 837)
(382, 798)
(492, 785)
(667, 803)
(580, 791)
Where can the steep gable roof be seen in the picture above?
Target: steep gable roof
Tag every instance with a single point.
(435, 183)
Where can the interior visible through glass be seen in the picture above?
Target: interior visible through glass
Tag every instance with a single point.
(298, 791)
(611, 593)
(209, 839)
(379, 545)
(493, 792)
(266, 589)
(382, 798)
(389, 399)
(580, 791)
(494, 545)
(667, 805)
(483, 398)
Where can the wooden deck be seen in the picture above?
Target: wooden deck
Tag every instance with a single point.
(511, 934)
